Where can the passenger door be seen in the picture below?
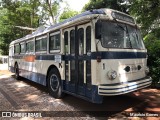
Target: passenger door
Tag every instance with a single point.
(77, 42)
(84, 60)
(70, 61)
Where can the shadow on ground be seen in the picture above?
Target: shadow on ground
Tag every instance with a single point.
(111, 106)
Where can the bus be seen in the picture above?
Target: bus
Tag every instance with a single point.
(91, 55)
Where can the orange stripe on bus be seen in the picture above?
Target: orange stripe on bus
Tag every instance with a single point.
(30, 58)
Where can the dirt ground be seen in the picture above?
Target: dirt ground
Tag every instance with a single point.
(4, 72)
(130, 106)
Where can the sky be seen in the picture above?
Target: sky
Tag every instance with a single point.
(76, 5)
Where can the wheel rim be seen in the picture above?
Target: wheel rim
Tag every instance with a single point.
(54, 82)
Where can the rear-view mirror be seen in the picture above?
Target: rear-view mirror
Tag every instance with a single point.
(98, 27)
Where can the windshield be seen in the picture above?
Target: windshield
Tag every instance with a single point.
(118, 35)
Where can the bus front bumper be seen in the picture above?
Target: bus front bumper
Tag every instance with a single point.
(122, 88)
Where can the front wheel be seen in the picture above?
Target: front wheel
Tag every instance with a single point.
(54, 84)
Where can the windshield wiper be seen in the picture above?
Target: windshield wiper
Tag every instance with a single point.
(120, 27)
(128, 35)
(127, 32)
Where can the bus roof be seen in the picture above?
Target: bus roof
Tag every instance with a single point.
(98, 11)
(87, 15)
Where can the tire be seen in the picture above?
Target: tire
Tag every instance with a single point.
(54, 84)
(16, 69)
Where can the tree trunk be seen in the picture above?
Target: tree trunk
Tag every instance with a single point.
(50, 9)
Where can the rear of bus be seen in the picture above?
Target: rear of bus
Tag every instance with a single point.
(121, 56)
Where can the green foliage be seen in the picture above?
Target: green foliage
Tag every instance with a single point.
(67, 14)
(23, 13)
(16, 13)
(147, 13)
(112, 4)
(50, 9)
(152, 43)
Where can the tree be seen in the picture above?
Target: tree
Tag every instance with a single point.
(147, 14)
(16, 13)
(67, 14)
(120, 5)
(25, 11)
(152, 43)
(50, 9)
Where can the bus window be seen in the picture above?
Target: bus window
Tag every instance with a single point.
(81, 41)
(41, 45)
(66, 52)
(30, 46)
(88, 39)
(72, 50)
(23, 50)
(55, 42)
(72, 42)
(44, 44)
(37, 45)
(88, 63)
(66, 42)
(81, 52)
(17, 49)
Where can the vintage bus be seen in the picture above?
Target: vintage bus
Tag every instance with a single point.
(94, 54)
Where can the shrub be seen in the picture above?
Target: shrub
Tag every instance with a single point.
(152, 43)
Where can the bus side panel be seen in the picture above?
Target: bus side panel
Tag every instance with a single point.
(33, 76)
(11, 59)
(40, 68)
(35, 70)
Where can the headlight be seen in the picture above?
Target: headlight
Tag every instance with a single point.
(112, 74)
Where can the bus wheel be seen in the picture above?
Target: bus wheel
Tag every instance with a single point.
(54, 84)
(16, 69)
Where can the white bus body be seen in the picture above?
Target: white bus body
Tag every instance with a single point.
(97, 53)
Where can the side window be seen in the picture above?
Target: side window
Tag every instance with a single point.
(55, 42)
(17, 49)
(88, 39)
(41, 44)
(88, 62)
(66, 51)
(72, 41)
(38, 45)
(30, 46)
(66, 42)
(44, 44)
(81, 41)
(27, 47)
(23, 49)
(72, 52)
